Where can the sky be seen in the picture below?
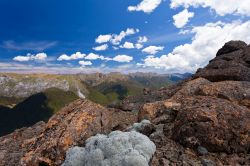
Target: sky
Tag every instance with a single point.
(85, 36)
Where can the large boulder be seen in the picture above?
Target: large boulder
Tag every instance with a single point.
(231, 46)
(216, 124)
(231, 63)
(71, 127)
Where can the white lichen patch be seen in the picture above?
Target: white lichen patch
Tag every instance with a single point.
(116, 149)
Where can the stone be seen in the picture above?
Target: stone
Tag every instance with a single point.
(231, 63)
(201, 150)
(231, 46)
(216, 124)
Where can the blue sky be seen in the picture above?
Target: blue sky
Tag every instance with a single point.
(179, 36)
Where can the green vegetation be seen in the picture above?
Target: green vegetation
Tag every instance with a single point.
(9, 101)
(38, 107)
(109, 93)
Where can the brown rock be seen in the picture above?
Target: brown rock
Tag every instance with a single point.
(170, 153)
(231, 47)
(72, 126)
(12, 146)
(157, 112)
(231, 63)
(235, 91)
(216, 124)
(190, 88)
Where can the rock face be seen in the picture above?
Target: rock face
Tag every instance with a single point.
(25, 86)
(204, 120)
(212, 115)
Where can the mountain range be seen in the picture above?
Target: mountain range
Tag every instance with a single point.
(26, 99)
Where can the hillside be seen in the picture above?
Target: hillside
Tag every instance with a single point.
(38, 107)
(203, 120)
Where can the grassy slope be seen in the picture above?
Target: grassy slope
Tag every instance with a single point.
(38, 107)
(108, 93)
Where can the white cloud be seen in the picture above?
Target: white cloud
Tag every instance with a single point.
(116, 39)
(103, 38)
(138, 46)
(122, 58)
(101, 48)
(221, 7)
(85, 63)
(77, 55)
(146, 6)
(142, 39)
(30, 57)
(21, 58)
(128, 45)
(182, 18)
(205, 43)
(152, 49)
(93, 56)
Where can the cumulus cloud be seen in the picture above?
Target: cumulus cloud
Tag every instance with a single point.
(205, 43)
(142, 39)
(146, 6)
(128, 45)
(101, 47)
(152, 49)
(221, 7)
(77, 55)
(103, 38)
(93, 56)
(117, 148)
(122, 58)
(85, 63)
(182, 18)
(30, 57)
(116, 39)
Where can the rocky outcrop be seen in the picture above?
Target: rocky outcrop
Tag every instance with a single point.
(211, 115)
(47, 144)
(232, 62)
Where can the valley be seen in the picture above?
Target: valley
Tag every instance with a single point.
(26, 99)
